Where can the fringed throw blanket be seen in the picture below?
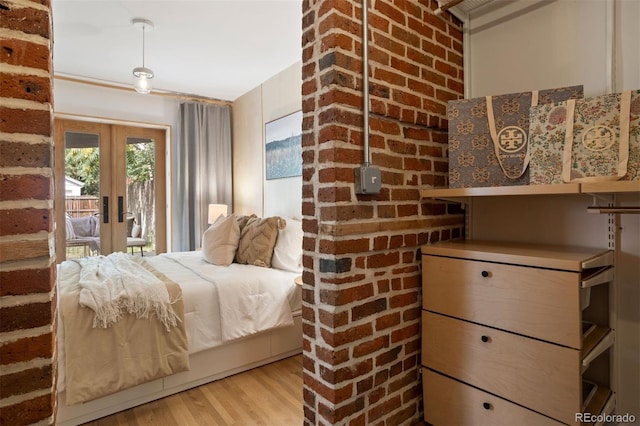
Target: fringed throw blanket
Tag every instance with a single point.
(113, 283)
(100, 361)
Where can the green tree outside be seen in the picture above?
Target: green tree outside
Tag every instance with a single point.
(83, 164)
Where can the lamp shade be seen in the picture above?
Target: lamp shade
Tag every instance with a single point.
(215, 211)
(142, 80)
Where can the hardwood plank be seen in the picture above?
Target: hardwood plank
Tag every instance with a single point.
(268, 395)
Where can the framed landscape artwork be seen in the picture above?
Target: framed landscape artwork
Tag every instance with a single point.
(283, 146)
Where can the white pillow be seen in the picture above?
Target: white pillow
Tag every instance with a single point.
(136, 230)
(220, 241)
(287, 254)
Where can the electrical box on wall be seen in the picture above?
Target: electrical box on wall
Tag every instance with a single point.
(367, 180)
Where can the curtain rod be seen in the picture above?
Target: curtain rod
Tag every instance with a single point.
(173, 95)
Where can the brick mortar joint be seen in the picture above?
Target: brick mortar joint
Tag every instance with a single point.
(26, 138)
(28, 4)
(22, 171)
(19, 367)
(11, 301)
(26, 264)
(23, 104)
(17, 399)
(410, 124)
(6, 33)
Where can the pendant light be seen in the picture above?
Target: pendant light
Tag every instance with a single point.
(142, 76)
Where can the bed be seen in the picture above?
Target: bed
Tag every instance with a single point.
(235, 317)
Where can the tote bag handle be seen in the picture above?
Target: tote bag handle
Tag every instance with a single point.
(494, 136)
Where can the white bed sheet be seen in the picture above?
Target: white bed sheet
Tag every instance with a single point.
(197, 280)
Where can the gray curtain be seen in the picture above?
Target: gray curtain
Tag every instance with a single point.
(201, 170)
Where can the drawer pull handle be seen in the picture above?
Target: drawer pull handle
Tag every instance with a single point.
(485, 339)
(485, 274)
(486, 406)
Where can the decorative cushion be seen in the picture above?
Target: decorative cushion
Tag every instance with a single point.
(243, 220)
(257, 240)
(68, 228)
(287, 253)
(136, 230)
(220, 241)
(83, 226)
(130, 221)
(95, 219)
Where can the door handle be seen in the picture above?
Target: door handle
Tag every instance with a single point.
(105, 209)
(121, 209)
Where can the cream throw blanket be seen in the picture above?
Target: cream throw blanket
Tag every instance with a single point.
(113, 284)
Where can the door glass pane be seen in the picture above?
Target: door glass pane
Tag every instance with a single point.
(141, 200)
(82, 191)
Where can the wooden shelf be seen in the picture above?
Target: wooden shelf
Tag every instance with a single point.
(535, 255)
(571, 188)
(601, 400)
(599, 340)
(567, 188)
(611, 187)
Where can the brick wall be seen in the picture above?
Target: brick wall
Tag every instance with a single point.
(27, 271)
(361, 293)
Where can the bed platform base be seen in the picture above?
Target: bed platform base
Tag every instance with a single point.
(206, 366)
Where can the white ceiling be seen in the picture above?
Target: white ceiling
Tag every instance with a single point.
(213, 48)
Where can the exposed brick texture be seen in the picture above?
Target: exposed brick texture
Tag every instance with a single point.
(25, 349)
(361, 292)
(26, 281)
(27, 271)
(24, 53)
(26, 87)
(16, 154)
(25, 381)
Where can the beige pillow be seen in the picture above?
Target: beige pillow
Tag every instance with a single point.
(243, 220)
(220, 241)
(257, 241)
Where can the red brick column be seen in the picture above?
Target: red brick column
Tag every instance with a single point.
(27, 271)
(361, 309)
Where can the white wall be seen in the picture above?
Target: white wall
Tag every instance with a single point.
(102, 102)
(248, 153)
(279, 96)
(534, 45)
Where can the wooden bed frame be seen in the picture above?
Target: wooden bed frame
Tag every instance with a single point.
(206, 366)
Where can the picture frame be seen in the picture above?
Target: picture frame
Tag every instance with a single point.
(283, 147)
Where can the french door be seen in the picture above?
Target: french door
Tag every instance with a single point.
(110, 189)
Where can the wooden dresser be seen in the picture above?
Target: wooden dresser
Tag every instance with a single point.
(504, 337)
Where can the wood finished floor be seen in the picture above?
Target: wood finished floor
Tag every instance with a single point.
(269, 395)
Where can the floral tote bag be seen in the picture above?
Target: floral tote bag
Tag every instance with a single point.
(586, 140)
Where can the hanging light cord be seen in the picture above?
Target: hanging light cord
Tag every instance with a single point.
(143, 28)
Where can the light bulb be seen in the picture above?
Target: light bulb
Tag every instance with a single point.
(142, 80)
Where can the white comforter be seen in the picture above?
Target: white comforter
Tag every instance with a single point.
(215, 309)
(223, 303)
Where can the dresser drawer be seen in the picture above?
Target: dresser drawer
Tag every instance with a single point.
(536, 302)
(542, 376)
(449, 402)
